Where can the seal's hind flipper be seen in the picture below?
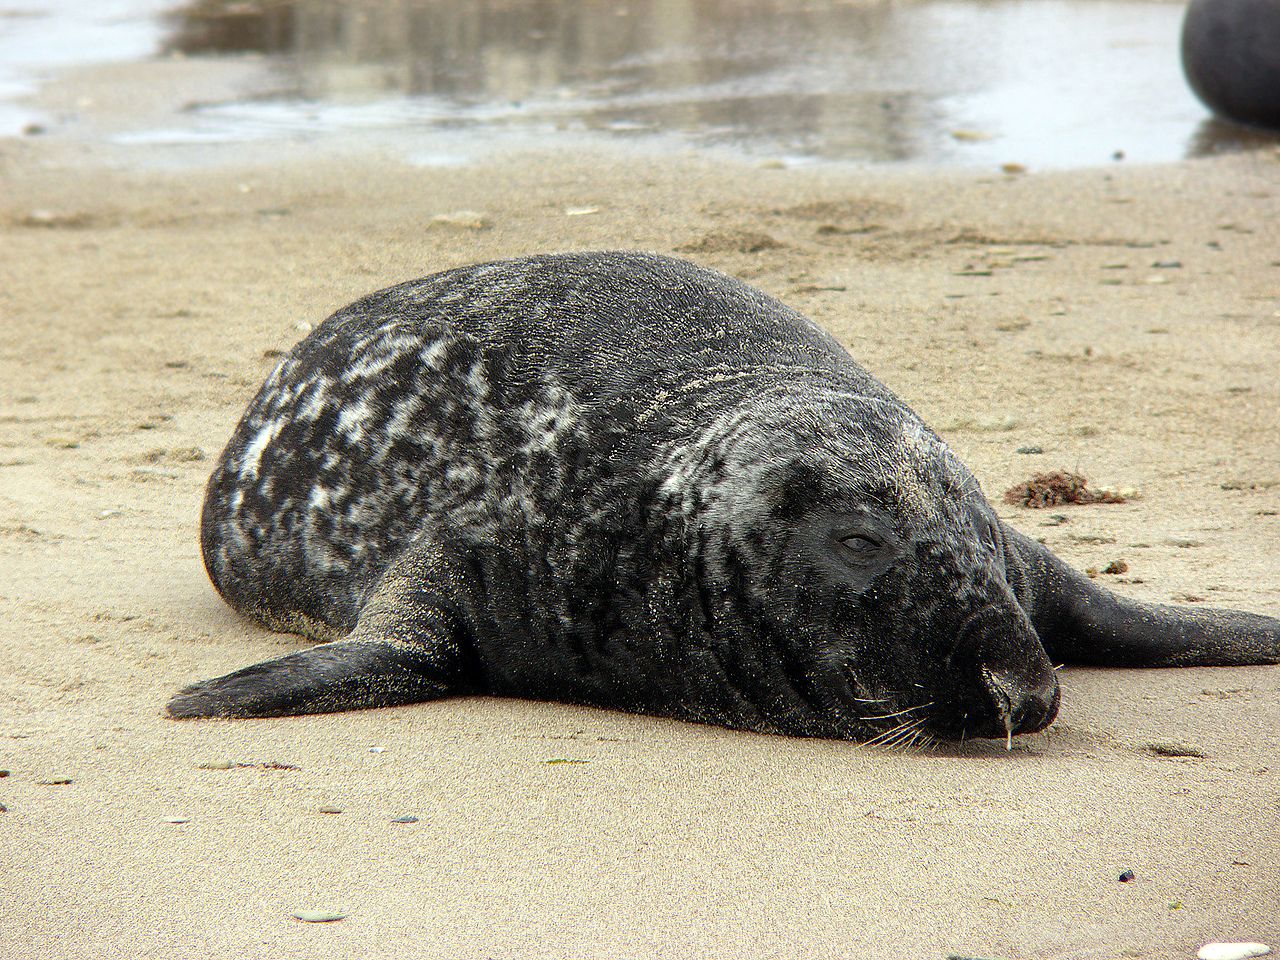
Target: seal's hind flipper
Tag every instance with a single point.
(407, 647)
(1080, 622)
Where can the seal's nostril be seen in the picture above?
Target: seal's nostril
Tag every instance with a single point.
(1038, 707)
(1002, 691)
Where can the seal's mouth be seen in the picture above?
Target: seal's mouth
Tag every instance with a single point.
(999, 681)
(1009, 702)
(994, 682)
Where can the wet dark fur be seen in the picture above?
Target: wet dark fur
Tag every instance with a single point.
(625, 480)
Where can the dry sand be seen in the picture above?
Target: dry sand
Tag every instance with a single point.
(140, 310)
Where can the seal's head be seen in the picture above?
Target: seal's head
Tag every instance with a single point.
(863, 552)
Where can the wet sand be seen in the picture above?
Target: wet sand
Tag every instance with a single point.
(140, 311)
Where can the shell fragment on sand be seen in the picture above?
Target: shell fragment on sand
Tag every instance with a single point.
(1232, 951)
(318, 916)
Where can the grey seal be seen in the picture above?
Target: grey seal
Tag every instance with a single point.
(625, 480)
(1231, 58)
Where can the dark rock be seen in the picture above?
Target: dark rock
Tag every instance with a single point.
(1231, 57)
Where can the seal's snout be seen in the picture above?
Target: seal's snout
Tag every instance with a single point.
(1022, 704)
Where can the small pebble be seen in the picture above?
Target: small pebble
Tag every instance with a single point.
(54, 782)
(1030, 450)
(329, 808)
(318, 916)
(580, 211)
(216, 765)
(377, 749)
(1127, 876)
(405, 819)
(1167, 265)
(177, 819)
(1232, 951)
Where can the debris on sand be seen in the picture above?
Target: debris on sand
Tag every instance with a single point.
(462, 220)
(1173, 749)
(731, 241)
(1058, 487)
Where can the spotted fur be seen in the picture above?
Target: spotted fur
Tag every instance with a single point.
(625, 480)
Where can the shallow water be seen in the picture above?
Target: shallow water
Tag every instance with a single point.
(1042, 83)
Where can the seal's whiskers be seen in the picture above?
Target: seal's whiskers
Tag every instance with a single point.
(900, 713)
(895, 736)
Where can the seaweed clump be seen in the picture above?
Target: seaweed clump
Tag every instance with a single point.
(1056, 488)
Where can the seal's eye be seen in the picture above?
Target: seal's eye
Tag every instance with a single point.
(859, 545)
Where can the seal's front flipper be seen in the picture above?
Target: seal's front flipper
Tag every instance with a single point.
(345, 675)
(1080, 622)
(408, 646)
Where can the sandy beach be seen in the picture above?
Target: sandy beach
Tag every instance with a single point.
(1126, 321)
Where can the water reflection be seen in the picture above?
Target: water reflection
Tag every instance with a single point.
(1045, 82)
(1214, 136)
